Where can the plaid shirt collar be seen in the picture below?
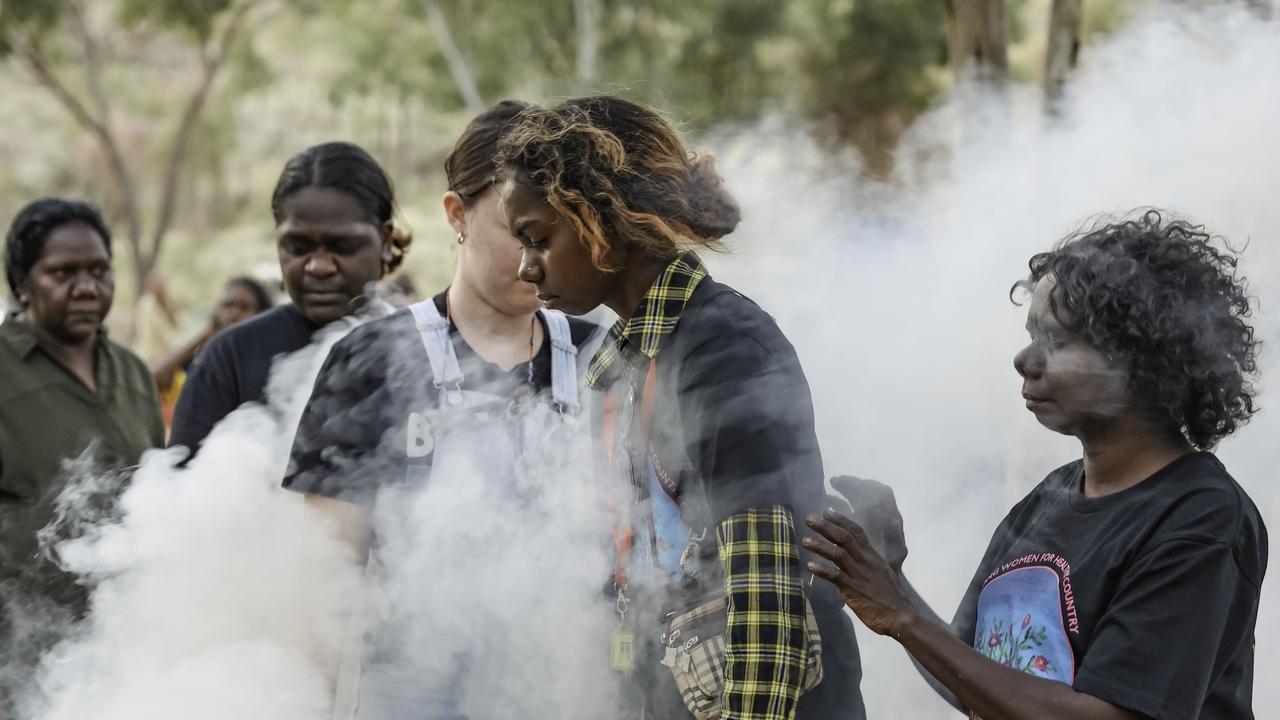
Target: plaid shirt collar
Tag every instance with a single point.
(653, 320)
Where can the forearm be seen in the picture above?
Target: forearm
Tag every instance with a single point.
(167, 367)
(991, 690)
(766, 642)
(928, 614)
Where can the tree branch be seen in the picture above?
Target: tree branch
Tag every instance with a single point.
(458, 66)
(29, 51)
(1066, 23)
(212, 60)
(584, 15)
(92, 61)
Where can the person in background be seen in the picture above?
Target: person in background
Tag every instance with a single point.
(1126, 584)
(334, 209)
(712, 445)
(66, 393)
(242, 298)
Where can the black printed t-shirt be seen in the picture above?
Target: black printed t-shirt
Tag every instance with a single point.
(233, 368)
(1146, 598)
(354, 435)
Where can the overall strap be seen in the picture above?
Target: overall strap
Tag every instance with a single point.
(434, 330)
(564, 361)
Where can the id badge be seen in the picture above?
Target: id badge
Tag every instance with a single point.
(623, 649)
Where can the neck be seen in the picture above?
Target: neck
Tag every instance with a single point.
(501, 338)
(1126, 455)
(77, 356)
(633, 282)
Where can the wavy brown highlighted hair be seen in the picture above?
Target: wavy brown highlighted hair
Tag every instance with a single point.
(620, 173)
(1165, 297)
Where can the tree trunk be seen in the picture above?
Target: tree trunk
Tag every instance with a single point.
(978, 38)
(36, 61)
(1066, 22)
(458, 65)
(211, 66)
(585, 14)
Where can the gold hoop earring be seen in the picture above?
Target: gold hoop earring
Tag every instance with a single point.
(461, 238)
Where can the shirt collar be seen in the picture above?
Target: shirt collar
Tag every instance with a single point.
(654, 319)
(22, 337)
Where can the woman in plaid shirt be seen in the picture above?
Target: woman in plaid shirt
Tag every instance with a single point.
(713, 467)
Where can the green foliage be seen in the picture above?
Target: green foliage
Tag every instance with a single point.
(35, 17)
(193, 16)
(869, 66)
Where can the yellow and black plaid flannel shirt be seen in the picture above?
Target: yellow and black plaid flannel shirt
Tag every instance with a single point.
(767, 645)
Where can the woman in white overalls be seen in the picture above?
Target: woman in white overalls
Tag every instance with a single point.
(402, 399)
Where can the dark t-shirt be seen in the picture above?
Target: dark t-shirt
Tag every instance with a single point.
(233, 368)
(733, 425)
(355, 433)
(1146, 598)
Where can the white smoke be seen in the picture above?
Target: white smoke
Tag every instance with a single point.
(217, 591)
(896, 296)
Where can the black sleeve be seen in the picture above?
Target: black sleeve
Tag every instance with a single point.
(749, 431)
(210, 393)
(1179, 612)
(345, 444)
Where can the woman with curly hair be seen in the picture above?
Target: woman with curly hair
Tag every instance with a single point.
(1125, 585)
(708, 422)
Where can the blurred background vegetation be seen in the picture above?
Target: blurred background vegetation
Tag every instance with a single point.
(175, 116)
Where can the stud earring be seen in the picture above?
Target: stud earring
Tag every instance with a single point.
(461, 238)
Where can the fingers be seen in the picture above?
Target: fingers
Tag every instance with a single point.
(830, 573)
(834, 553)
(854, 530)
(831, 531)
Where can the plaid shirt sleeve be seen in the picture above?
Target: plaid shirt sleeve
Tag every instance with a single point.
(766, 639)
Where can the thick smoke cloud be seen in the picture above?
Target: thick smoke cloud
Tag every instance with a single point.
(216, 592)
(897, 295)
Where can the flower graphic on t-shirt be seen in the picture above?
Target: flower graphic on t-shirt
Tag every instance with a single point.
(1012, 645)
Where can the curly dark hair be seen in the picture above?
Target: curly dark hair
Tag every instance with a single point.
(31, 227)
(1166, 297)
(619, 172)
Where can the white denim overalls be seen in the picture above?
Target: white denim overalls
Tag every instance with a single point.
(488, 437)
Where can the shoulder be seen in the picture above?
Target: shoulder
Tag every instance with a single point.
(1203, 503)
(371, 353)
(280, 329)
(373, 334)
(727, 327)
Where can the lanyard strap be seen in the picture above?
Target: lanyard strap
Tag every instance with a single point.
(623, 535)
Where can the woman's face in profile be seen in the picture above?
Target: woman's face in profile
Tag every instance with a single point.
(1070, 386)
(491, 259)
(554, 258)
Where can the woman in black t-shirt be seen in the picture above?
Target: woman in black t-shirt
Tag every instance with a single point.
(334, 210)
(1125, 585)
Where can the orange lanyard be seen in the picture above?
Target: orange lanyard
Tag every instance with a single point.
(623, 534)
